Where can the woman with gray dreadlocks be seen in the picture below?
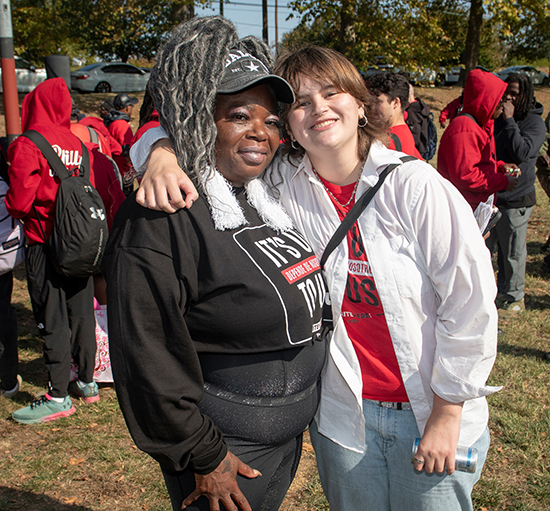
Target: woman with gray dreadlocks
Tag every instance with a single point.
(519, 135)
(215, 312)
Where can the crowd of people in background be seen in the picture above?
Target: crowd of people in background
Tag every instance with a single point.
(63, 306)
(280, 153)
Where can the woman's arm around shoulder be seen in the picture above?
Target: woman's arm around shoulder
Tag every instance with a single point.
(165, 186)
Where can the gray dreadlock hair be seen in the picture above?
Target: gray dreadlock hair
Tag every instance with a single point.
(185, 81)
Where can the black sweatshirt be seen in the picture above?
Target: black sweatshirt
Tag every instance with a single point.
(177, 288)
(519, 142)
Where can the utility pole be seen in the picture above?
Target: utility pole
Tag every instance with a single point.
(9, 83)
(221, 7)
(264, 31)
(276, 28)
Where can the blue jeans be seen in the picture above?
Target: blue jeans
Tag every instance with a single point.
(383, 477)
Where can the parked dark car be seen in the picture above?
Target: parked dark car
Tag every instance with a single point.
(538, 77)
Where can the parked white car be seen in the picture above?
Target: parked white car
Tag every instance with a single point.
(451, 76)
(109, 77)
(26, 75)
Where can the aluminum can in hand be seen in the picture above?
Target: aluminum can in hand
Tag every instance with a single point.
(465, 458)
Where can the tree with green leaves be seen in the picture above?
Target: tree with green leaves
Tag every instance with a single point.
(120, 29)
(525, 27)
(416, 34)
(410, 34)
(109, 29)
(39, 30)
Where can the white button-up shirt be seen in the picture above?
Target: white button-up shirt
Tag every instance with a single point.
(435, 280)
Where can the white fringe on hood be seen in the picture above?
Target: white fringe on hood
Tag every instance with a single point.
(227, 212)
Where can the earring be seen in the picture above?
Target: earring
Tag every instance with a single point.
(366, 121)
(292, 142)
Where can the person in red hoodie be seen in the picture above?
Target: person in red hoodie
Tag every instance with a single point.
(112, 147)
(450, 112)
(118, 123)
(467, 154)
(148, 116)
(62, 306)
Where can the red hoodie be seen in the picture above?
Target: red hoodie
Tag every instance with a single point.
(114, 148)
(152, 123)
(106, 181)
(47, 110)
(451, 110)
(467, 155)
(83, 133)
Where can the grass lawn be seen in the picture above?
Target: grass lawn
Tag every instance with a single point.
(89, 462)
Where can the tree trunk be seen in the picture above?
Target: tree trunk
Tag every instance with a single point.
(473, 39)
(346, 22)
(183, 11)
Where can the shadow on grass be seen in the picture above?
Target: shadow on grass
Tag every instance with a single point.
(30, 343)
(533, 247)
(15, 500)
(33, 372)
(537, 302)
(535, 269)
(518, 351)
(25, 319)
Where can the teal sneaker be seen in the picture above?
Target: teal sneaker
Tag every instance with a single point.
(44, 410)
(88, 392)
(11, 393)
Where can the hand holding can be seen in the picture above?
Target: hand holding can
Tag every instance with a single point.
(465, 459)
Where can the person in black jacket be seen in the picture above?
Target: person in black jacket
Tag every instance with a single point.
(215, 312)
(519, 135)
(418, 120)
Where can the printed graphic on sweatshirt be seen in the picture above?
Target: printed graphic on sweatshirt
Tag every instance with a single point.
(287, 262)
(71, 160)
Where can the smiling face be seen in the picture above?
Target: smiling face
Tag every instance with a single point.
(248, 133)
(324, 119)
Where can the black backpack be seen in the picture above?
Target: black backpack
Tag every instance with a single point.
(77, 242)
(421, 122)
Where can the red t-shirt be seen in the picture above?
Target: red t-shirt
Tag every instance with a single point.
(403, 133)
(364, 317)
